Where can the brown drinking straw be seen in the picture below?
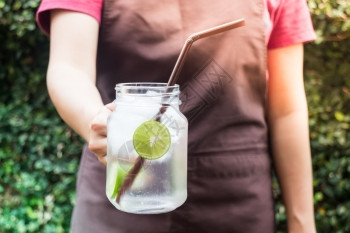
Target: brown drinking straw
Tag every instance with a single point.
(131, 175)
(196, 36)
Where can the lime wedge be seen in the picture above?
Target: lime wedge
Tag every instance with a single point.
(116, 176)
(151, 139)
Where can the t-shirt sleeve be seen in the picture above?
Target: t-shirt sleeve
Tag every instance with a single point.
(90, 7)
(291, 23)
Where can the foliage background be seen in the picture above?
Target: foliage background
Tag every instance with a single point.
(39, 154)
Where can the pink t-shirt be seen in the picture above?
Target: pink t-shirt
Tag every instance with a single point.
(287, 22)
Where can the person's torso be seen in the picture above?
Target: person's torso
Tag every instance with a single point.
(223, 88)
(223, 80)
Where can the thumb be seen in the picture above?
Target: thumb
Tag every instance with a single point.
(110, 106)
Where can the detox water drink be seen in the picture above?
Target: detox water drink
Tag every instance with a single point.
(147, 149)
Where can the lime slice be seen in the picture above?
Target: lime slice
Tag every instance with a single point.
(116, 175)
(151, 139)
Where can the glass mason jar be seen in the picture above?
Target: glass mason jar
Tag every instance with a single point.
(147, 149)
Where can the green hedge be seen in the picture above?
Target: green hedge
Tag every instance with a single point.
(39, 154)
(327, 82)
(328, 89)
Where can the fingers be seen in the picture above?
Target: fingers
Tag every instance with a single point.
(98, 132)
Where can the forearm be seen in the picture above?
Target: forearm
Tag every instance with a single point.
(288, 123)
(292, 159)
(72, 68)
(75, 97)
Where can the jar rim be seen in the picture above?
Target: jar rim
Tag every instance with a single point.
(153, 85)
(147, 88)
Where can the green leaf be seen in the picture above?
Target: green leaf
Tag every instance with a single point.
(339, 116)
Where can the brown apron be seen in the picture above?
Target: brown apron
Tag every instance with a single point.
(223, 96)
